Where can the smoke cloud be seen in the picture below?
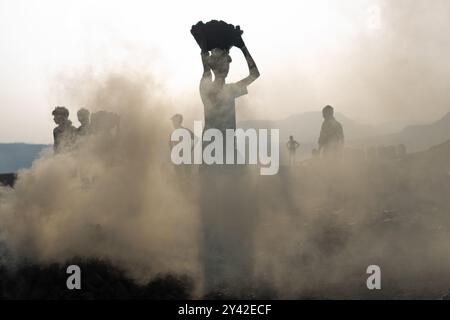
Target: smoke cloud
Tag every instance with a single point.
(309, 232)
(113, 198)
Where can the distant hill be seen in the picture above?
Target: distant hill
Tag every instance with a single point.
(417, 137)
(15, 156)
(434, 158)
(305, 127)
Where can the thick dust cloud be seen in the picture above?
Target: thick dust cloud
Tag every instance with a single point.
(309, 232)
(112, 197)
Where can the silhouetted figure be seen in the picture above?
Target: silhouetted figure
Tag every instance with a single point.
(184, 169)
(177, 122)
(292, 146)
(227, 221)
(331, 140)
(64, 134)
(219, 97)
(84, 119)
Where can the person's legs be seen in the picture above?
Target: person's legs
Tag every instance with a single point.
(291, 157)
(228, 216)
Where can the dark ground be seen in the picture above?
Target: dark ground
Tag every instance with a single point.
(100, 280)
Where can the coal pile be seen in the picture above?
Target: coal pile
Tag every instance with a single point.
(99, 280)
(216, 34)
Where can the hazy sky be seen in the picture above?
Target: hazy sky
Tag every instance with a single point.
(374, 60)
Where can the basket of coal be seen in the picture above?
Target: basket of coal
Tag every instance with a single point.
(217, 34)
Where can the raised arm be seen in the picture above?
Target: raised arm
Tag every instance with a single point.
(206, 68)
(252, 68)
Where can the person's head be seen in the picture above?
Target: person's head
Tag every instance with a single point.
(60, 115)
(83, 116)
(291, 138)
(177, 120)
(328, 112)
(219, 61)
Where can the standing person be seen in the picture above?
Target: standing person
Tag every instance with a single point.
(292, 146)
(84, 119)
(184, 170)
(64, 134)
(177, 122)
(226, 208)
(331, 140)
(218, 96)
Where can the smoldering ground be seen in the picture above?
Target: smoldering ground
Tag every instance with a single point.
(309, 232)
